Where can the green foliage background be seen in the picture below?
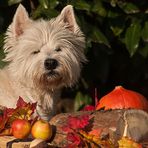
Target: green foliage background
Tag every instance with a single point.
(117, 41)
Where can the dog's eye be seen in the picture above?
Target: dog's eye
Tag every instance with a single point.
(35, 52)
(58, 49)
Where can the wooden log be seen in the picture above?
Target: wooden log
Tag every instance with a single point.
(114, 123)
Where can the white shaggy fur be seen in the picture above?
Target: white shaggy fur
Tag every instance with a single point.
(28, 44)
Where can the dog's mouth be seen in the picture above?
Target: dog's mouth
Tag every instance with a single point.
(52, 73)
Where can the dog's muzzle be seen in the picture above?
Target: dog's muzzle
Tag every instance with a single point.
(50, 64)
(50, 67)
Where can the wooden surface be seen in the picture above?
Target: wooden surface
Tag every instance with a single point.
(7, 141)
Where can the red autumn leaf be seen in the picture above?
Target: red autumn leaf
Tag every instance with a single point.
(7, 113)
(67, 129)
(2, 123)
(74, 139)
(23, 110)
(88, 108)
(20, 102)
(78, 137)
(73, 127)
(78, 122)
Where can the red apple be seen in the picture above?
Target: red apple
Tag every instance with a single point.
(21, 128)
(41, 129)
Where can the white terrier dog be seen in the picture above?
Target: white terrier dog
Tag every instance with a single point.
(43, 57)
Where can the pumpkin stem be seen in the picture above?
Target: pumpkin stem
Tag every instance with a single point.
(118, 87)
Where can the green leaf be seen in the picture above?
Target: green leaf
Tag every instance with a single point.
(82, 5)
(99, 37)
(117, 25)
(116, 30)
(132, 37)
(12, 2)
(128, 8)
(112, 14)
(113, 3)
(78, 101)
(98, 8)
(145, 32)
(45, 13)
(44, 3)
(53, 3)
(81, 100)
(144, 51)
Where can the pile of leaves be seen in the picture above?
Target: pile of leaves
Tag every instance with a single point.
(23, 110)
(80, 134)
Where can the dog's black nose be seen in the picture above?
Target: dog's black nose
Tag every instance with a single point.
(50, 64)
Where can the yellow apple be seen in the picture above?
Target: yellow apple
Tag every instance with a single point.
(41, 129)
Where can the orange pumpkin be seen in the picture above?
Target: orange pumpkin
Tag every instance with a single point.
(121, 98)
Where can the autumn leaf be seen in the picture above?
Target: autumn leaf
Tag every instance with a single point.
(78, 122)
(27, 106)
(7, 113)
(72, 128)
(94, 138)
(23, 110)
(74, 139)
(67, 129)
(21, 103)
(78, 136)
(126, 142)
(95, 132)
(88, 108)
(75, 123)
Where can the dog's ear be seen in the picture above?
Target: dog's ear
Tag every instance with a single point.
(68, 17)
(20, 21)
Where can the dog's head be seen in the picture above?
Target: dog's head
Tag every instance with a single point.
(48, 54)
